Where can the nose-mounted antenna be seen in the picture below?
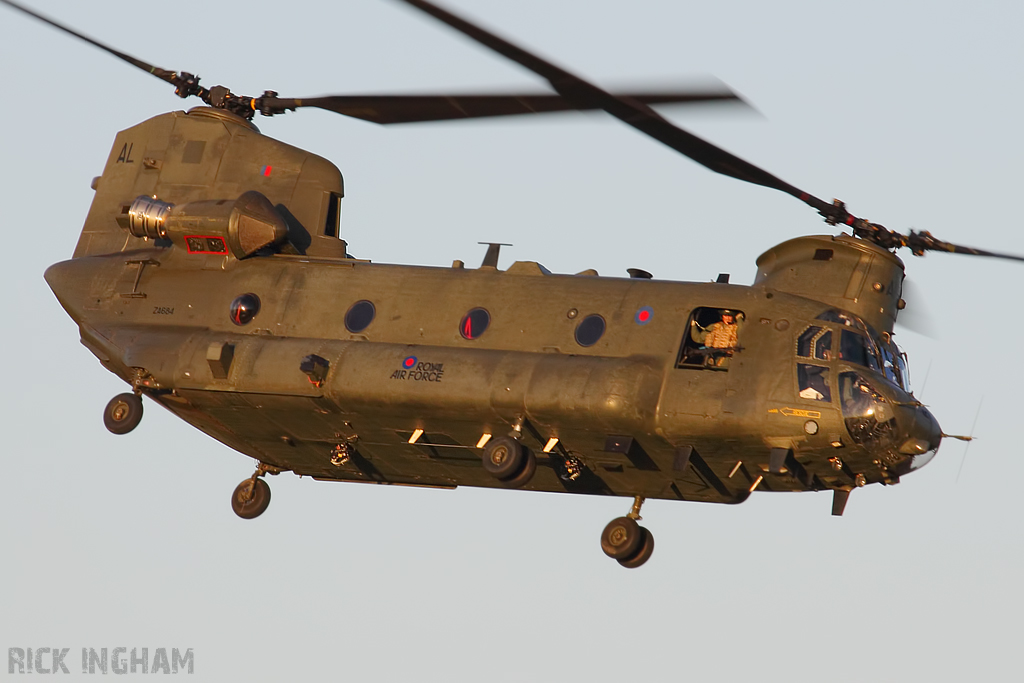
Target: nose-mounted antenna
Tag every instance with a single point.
(968, 439)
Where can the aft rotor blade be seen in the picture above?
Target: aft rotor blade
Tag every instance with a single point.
(385, 109)
(164, 75)
(640, 116)
(634, 113)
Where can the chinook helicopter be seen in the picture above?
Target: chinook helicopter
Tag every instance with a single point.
(205, 262)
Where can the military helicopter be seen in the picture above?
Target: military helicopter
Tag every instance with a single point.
(210, 275)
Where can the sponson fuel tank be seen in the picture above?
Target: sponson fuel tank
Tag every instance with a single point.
(851, 274)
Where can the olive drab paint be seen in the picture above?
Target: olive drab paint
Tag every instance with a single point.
(624, 407)
(211, 275)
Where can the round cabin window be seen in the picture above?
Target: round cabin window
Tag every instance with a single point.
(359, 316)
(475, 323)
(589, 331)
(244, 308)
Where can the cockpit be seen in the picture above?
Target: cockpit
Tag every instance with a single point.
(876, 404)
(862, 345)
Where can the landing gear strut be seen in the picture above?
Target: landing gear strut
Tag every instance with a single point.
(252, 497)
(123, 413)
(627, 542)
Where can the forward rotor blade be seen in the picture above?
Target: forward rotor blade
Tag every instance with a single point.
(386, 109)
(164, 75)
(634, 113)
(921, 242)
(640, 116)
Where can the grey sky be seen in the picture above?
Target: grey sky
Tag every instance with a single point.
(909, 111)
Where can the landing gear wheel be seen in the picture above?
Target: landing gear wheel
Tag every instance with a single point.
(251, 498)
(643, 554)
(504, 458)
(622, 538)
(524, 477)
(123, 413)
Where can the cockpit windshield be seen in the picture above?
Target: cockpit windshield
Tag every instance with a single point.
(869, 417)
(856, 348)
(874, 351)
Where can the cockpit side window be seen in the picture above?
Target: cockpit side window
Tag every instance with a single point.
(806, 341)
(815, 342)
(711, 339)
(814, 384)
(823, 346)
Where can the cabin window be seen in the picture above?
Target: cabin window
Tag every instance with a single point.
(590, 330)
(814, 384)
(244, 308)
(359, 316)
(711, 339)
(474, 323)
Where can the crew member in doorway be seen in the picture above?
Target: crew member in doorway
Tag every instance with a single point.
(721, 339)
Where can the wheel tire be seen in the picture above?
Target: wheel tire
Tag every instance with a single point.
(251, 506)
(643, 554)
(504, 458)
(123, 413)
(621, 539)
(523, 478)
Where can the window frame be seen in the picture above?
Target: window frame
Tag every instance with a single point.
(690, 348)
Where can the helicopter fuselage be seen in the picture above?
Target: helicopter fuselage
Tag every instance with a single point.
(406, 391)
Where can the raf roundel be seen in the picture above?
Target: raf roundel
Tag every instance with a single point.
(644, 315)
(409, 362)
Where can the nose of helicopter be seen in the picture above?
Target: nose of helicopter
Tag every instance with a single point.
(922, 437)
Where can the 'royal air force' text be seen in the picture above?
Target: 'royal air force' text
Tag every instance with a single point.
(422, 372)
